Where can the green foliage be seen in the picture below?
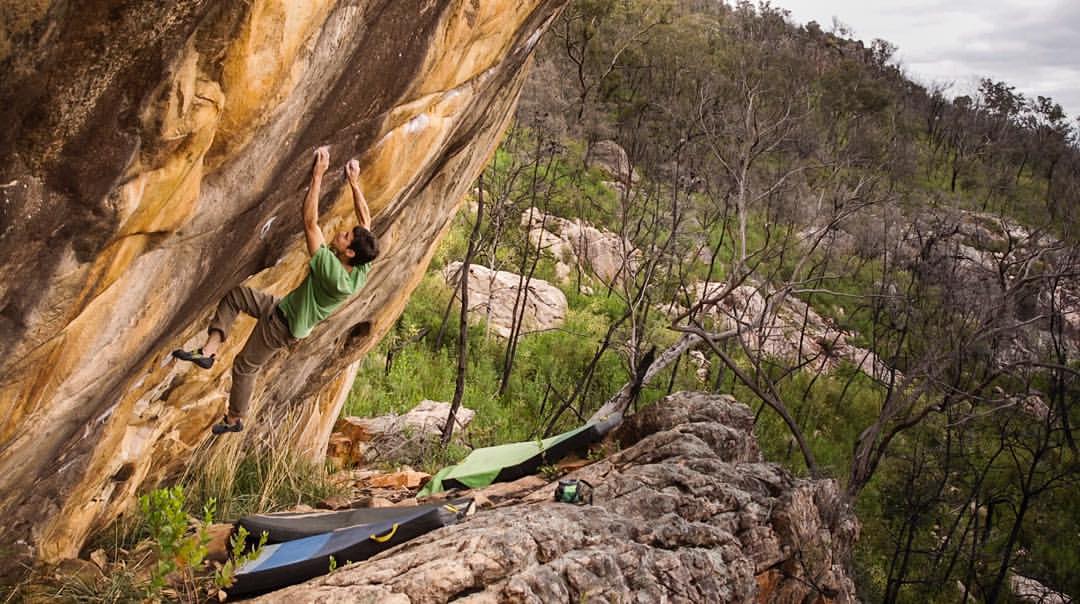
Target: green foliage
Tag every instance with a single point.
(453, 245)
(240, 555)
(548, 472)
(549, 365)
(179, 570)
(167, 524)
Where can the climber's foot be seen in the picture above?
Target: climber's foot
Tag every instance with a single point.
(195, 356)
(226, 426)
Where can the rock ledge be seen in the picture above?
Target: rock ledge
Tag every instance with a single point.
(687, 511)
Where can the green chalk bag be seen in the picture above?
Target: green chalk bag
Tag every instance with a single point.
(573, 490)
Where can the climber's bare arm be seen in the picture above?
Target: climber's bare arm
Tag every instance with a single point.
(312, 232)
(363, 213)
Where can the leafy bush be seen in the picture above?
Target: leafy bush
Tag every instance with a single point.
(181, 551)
(240, 555)
(177, 550)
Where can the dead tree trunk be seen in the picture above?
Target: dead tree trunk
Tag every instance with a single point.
(463, 326)
(622, 399)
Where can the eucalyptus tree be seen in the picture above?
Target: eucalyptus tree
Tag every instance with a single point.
(1055, 139)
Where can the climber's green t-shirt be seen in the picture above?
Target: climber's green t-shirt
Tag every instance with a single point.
(324, 289)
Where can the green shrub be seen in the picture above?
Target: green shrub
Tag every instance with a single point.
(225, 576)
(177, 550)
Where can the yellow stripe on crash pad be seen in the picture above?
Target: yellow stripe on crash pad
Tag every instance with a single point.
(387, 536)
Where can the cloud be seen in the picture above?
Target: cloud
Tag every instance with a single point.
(1035, 50)
(1031, 44)
(1021, 38)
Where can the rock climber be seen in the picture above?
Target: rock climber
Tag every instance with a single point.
(338, 270)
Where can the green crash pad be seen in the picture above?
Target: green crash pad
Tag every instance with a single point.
(512, 461)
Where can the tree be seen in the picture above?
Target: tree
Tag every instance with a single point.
(1053, 134)
(463, 324)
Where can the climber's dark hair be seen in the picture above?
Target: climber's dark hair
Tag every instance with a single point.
(364, 245)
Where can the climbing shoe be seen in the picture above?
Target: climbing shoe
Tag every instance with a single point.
(225, 426)
(197, 357)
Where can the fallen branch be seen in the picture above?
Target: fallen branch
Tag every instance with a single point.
(775, 404)
(622, 399)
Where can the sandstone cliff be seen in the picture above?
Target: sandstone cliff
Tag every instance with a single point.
(687, 511)
(153, 156)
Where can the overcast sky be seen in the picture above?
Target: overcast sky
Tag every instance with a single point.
(1031, 44)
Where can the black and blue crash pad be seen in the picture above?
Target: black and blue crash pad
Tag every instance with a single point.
(300, 545)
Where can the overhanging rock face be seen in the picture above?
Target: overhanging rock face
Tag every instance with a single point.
(687, 511)
(153, 156)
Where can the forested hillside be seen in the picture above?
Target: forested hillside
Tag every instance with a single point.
(887, 272)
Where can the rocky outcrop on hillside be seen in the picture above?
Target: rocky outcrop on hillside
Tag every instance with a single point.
(494, 296)
(1029, 591)
(574, 243)
(1020, 277)
(792, 330)
(393, 439)
(153, 156)
(687, 511)
(612, 160)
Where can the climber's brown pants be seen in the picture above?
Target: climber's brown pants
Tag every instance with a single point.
(271, 333)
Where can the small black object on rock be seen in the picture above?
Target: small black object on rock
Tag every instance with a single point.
(574, 490)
